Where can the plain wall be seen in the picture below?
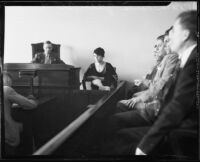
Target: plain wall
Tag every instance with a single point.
(127, 33)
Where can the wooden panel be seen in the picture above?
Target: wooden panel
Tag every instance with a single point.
(53, 78)
(52, 116)
(86, 142)
(50, 79)
(17, 66)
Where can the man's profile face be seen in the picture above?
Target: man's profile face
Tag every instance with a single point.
(176, 37)
(166, 44)
(47, 48)
(159, 49)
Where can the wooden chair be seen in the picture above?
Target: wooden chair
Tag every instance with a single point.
(38, 47)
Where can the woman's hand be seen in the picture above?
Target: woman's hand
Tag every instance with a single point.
(97, 82)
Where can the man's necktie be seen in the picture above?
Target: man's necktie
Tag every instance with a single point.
(48, 60)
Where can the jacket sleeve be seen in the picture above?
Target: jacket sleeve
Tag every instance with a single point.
(146, 82)
(182, 103)
(14, 97)
(157, 86)
(37, 58)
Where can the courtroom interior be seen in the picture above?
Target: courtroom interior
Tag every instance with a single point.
(100, 82)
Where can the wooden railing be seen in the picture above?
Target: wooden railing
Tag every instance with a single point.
(63, 135)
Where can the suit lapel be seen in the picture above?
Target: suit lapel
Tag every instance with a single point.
(172, 85)
(192, 57)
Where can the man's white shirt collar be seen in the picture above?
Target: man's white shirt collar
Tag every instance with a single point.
(185, 55)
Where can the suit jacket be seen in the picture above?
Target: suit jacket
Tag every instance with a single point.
(13, 128)
(152, 108)
(163, 74)
(180, 112)
(151, 75)
(41, 58)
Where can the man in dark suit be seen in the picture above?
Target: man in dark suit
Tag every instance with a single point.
(47, 57)
(179, 111)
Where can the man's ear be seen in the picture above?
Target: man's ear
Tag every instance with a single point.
(186, 34)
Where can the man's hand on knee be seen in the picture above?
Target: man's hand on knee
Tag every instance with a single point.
(140, 106)
(129, 103)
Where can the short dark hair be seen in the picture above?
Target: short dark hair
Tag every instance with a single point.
(161, 37)
(99, 51)
(47, 42)
(188, 20)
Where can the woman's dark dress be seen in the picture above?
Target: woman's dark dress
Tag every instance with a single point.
(109, 74)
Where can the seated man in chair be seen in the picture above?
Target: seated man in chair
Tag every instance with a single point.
(47, 57)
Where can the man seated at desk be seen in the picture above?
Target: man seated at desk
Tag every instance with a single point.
(47, 57)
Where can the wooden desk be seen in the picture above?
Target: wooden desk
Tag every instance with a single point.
(49, 79)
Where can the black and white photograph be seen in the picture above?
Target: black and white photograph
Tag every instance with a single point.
(116, 80)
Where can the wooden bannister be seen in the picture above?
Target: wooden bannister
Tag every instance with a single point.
(63, 135)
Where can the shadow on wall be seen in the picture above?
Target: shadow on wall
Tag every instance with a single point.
(66, 54)
(77, 57)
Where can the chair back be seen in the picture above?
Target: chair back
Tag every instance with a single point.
(38, 47)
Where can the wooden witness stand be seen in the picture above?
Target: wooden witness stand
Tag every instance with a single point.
(43, 79)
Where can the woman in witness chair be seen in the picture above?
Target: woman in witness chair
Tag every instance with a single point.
(101, 74)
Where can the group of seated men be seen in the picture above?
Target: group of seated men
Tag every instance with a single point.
(164, 101)
(163, 105)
